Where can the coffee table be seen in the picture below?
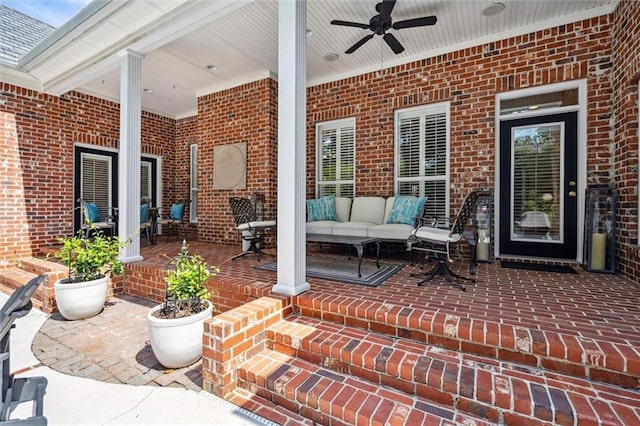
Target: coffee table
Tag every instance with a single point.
(358, 242)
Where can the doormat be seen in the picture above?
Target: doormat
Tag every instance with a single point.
(560, 269)
(344, 270)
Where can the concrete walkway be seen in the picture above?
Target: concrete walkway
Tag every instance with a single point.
(72, 400)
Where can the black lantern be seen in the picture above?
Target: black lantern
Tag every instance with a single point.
(600, 230)
(483, 223)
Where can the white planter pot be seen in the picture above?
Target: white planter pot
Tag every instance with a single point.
(81, 300)
(177, 342)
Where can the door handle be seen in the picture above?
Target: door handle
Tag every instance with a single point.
(572, 194)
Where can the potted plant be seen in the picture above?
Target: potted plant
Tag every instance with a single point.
(176, 326)
(91, 261)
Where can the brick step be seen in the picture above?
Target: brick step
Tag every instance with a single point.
(613, 361)
(332, 398)
(14, 277)
(27, 269)
(53, 270)
(493, 389)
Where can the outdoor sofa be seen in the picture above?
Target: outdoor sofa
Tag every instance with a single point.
(391, 219)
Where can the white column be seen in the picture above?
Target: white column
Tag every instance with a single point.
(129, 155)
(292, 116)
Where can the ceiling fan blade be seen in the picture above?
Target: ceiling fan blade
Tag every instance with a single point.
(416, 22)
(393, 43)
(358, 44)
(386, 8)
(350, 24)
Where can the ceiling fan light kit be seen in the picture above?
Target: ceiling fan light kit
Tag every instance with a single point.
(381, 23)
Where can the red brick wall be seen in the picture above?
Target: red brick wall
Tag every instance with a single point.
(38, 134)
(626, 45)
(243, 114)
(469, 79)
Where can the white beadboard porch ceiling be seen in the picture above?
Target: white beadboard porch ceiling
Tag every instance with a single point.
(240, 37)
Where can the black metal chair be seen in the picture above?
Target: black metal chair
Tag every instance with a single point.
(252, 230)
(431, 238)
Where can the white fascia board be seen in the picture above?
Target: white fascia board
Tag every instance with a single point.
(88, 17)
(16, 77)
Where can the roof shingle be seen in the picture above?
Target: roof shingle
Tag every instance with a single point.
(19, 33)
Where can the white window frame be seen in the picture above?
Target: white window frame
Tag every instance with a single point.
(334, 125)
(193, 182)
(422, 112)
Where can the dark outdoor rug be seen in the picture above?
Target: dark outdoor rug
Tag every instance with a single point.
(561, 269)
(344, 270)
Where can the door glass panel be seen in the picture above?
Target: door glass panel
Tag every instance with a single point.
(537, 178)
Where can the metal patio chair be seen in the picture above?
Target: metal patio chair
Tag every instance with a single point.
(433, 239)
(252, 230)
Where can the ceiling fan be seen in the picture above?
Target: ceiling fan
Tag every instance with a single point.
(382, 22)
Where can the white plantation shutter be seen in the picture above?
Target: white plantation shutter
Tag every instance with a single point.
(145, 180)
(335, 159)
(95, 186)
(409, 147)
(193, 178)
(422, 144)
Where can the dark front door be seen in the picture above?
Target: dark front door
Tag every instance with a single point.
(538, 186)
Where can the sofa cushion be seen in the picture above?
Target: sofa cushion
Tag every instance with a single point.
(343, 209)
(353, 229)
(321, 209)
(406, 209)
(391, 231)
(368, 209)
(321, 227)
(387, 208)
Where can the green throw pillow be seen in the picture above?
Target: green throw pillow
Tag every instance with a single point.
(321, 209)
(405, 209)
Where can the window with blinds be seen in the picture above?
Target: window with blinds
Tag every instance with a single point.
(95, 177)
(193, 177)
(536, 178)
(422, 156)
(335, 158)
(146, 176)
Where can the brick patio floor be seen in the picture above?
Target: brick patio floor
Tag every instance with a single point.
(114, 346)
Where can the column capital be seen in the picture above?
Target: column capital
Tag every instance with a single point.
(129, 52)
